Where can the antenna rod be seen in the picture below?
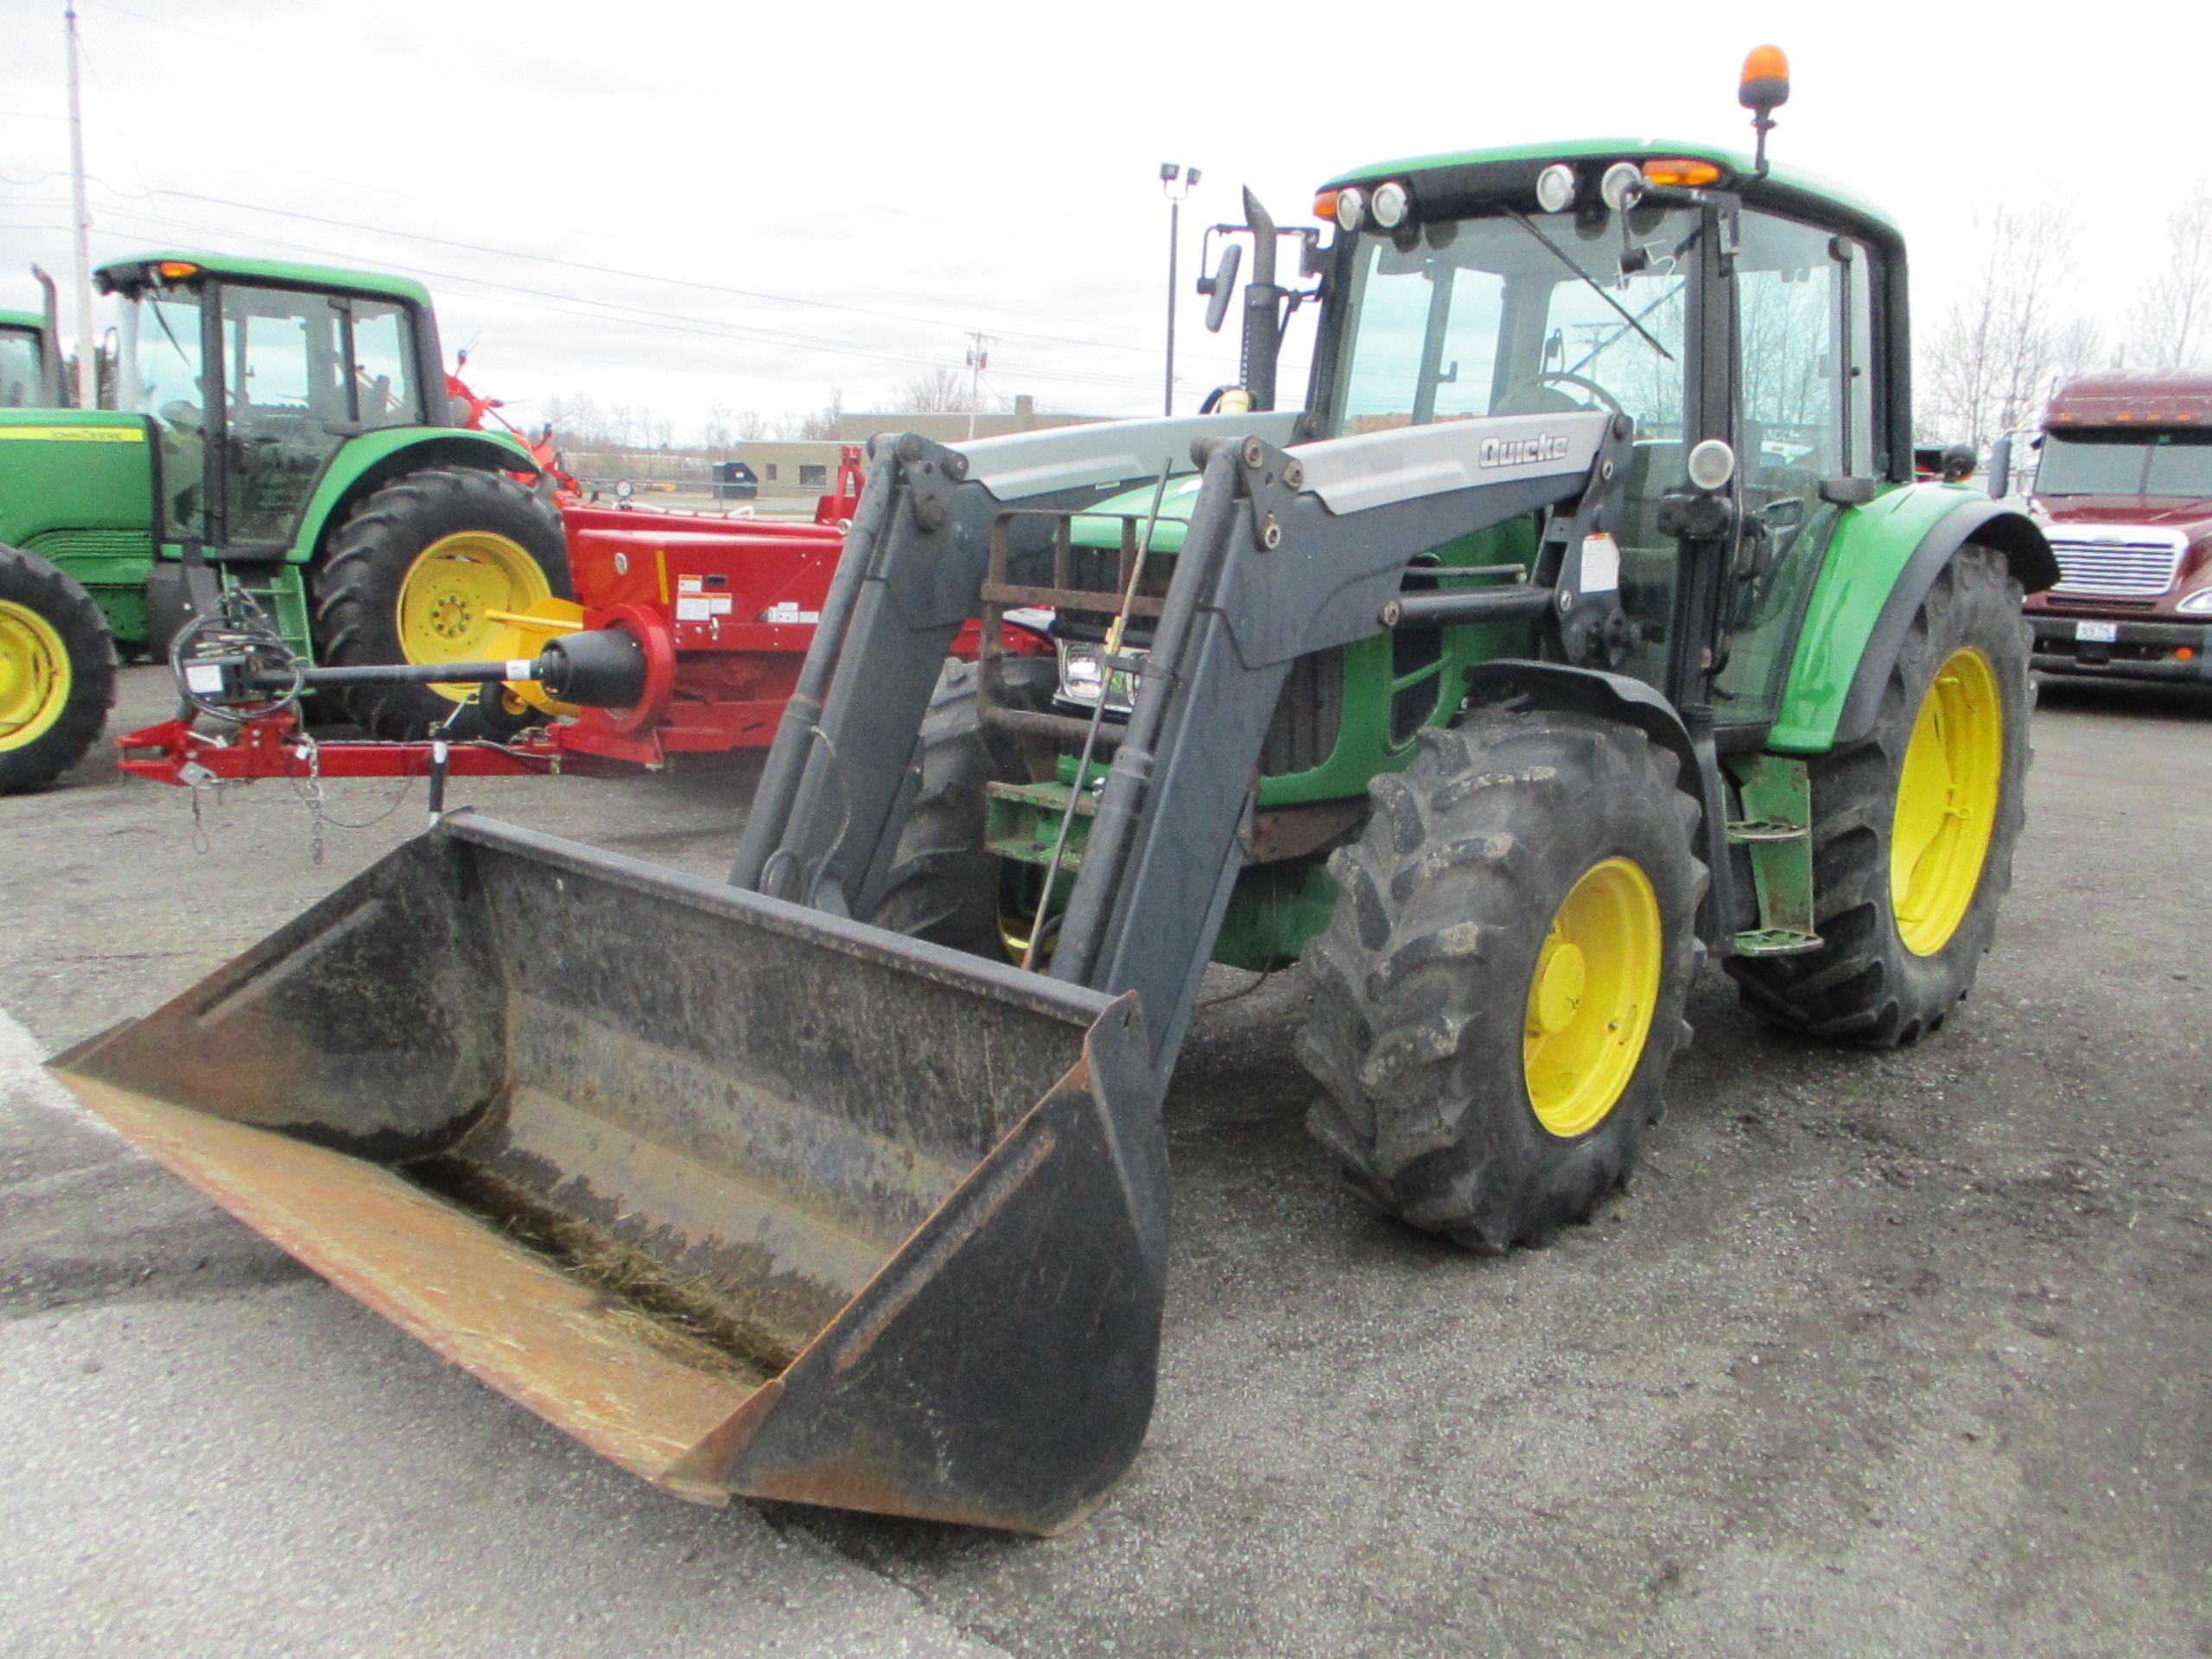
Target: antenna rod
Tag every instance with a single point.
(87, 347)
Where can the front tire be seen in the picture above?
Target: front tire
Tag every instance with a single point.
(943, 883)
(1914, 826)
(1500, 988)
(414, 576)
(57, 672)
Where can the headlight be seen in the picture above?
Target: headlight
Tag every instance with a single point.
(1082, 668)
(2197, 604)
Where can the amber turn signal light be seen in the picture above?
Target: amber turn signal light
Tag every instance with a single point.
(1680, 171)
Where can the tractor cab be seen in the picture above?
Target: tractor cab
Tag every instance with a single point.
(24, 377)
(255, 375)
(1683, 289)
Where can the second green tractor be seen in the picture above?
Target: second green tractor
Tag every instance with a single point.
(284, 431)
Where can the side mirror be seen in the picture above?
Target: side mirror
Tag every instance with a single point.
(1221, 287)
(2000, 467)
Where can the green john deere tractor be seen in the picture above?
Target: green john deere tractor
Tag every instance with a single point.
(1588, 619)
(284, 435)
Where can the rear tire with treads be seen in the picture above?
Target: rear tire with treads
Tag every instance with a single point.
(1902, 935)
(57, 672)
(410, 576)
(1444, 968)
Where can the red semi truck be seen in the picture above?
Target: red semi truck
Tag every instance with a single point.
(2123, 486)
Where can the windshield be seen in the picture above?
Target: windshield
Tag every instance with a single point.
(1494, 316)
(2126, 463)
(20, 383)
(161, 377)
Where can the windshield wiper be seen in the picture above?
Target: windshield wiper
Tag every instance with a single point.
(1588, 281)
(1614, 338)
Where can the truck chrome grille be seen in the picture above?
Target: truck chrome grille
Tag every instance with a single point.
(2136, 566)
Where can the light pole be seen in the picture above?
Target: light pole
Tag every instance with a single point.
(1175, 183)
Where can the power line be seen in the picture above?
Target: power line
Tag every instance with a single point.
(590, 266)
(676, 322)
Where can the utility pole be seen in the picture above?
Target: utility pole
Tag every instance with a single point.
(87, 347)
(1175, 183)
(978, 359)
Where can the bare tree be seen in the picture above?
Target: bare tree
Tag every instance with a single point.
(587, 425)
(2004, 343)
(939, 391)
(714, 432)
(826, 423)
(2170, 322)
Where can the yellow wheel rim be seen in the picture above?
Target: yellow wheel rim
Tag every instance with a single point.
(455, 598)
(1946, 802)
(1590, 997)
(1019, 887)
(34, 677)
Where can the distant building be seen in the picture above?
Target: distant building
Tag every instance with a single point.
(787, 469)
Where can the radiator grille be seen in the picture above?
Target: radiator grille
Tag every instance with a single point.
(2141, 565)
(59, 544)
(1307, 715)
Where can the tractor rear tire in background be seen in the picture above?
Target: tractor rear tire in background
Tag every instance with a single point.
(414, 576)
(57, 672)
(1914, 827)
(1499, 991)
(943, 884)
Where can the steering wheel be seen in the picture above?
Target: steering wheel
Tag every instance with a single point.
(1551, 377)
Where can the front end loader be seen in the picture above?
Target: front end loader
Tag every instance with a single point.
(1586, 622)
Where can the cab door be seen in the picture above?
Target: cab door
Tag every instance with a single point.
(1804, 432)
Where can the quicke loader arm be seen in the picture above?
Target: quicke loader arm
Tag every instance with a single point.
(1288, 551)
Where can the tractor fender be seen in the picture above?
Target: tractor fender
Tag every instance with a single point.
(1632, 703)
(1879, 567)
(1585, 691)
(374, 459)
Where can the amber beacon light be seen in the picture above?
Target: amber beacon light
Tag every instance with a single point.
(1763, 88)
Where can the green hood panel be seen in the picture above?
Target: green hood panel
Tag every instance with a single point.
(1098, 529)
(73, 469)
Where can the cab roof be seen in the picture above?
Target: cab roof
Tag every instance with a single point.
(137, 271)
(31, 320)
(1458, 182)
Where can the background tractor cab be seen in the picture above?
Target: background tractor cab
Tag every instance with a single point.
(24, 381)
(30, 354)
(277, 395)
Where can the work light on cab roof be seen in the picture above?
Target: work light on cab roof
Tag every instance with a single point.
(1763, 87)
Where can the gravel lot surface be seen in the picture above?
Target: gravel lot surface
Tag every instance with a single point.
(1883, 1353)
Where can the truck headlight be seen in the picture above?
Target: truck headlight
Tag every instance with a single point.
(2197, 604)
(1083, 671)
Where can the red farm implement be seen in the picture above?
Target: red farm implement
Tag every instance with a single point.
(686, 640)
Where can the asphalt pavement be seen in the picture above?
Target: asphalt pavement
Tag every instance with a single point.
(1883, 1353)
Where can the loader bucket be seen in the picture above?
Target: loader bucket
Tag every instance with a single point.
(749, 1199)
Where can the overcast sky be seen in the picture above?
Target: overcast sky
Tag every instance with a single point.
(671, 205)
